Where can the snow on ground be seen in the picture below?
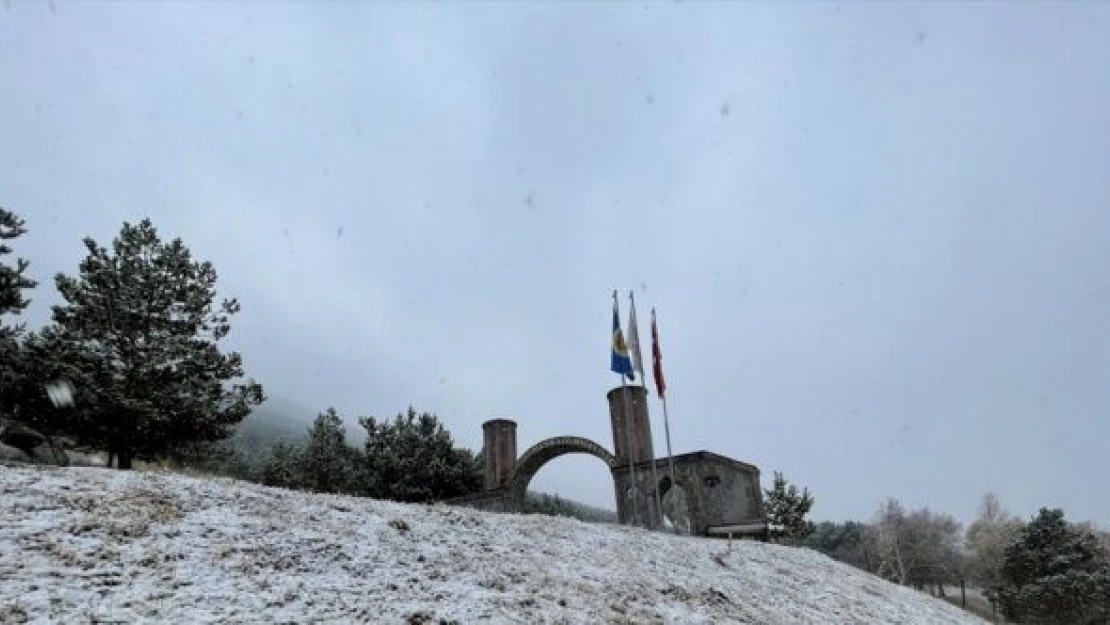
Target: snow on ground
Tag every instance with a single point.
(87, 544)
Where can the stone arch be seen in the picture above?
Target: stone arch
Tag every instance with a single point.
(546, 450)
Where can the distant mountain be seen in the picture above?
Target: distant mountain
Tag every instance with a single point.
(285, 418)
(280, 420)
(277, 420)
(278, 416)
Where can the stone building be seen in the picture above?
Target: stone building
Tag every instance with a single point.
(715, 495)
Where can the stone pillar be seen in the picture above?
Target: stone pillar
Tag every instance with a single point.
(499, 449)
(641, 446)
(628, 406)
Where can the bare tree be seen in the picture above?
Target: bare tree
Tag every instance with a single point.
(919, 548)
(888, 539)
(985, 543)
(934, 539)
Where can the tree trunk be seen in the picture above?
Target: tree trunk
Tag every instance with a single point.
(124, 461)
(111, 457)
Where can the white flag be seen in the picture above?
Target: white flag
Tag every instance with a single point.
(634, 339)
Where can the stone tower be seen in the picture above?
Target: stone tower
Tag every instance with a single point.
(641, 447)
(499, 448)
(628, 414)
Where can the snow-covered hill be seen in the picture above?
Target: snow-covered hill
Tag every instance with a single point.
(80, 543)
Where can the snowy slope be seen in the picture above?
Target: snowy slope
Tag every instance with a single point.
(84, 543)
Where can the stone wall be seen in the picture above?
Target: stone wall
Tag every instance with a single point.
(642, 509)
(718, 491)
(728, 494)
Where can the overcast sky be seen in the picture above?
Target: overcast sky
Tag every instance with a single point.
(878, 236)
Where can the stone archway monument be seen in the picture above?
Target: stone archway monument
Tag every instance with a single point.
(546, 450)
(722, 495)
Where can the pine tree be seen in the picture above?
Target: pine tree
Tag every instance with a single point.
(11, 376)
(33, 359)
(13, 280)
(1055, 573)
(285, 468)
(787, 508)
(846, 542)
(27, 362)
(142, 319)
(327, 462)
(413, 459)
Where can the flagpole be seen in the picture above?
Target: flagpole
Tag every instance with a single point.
(654, 473)
(635, 329)
(670, 458)
(657, 357)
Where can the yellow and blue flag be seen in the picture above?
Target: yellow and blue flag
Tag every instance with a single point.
(620, 362)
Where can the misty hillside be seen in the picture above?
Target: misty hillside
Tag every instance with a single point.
(275, 421)
(80, 545)
(278, 420)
